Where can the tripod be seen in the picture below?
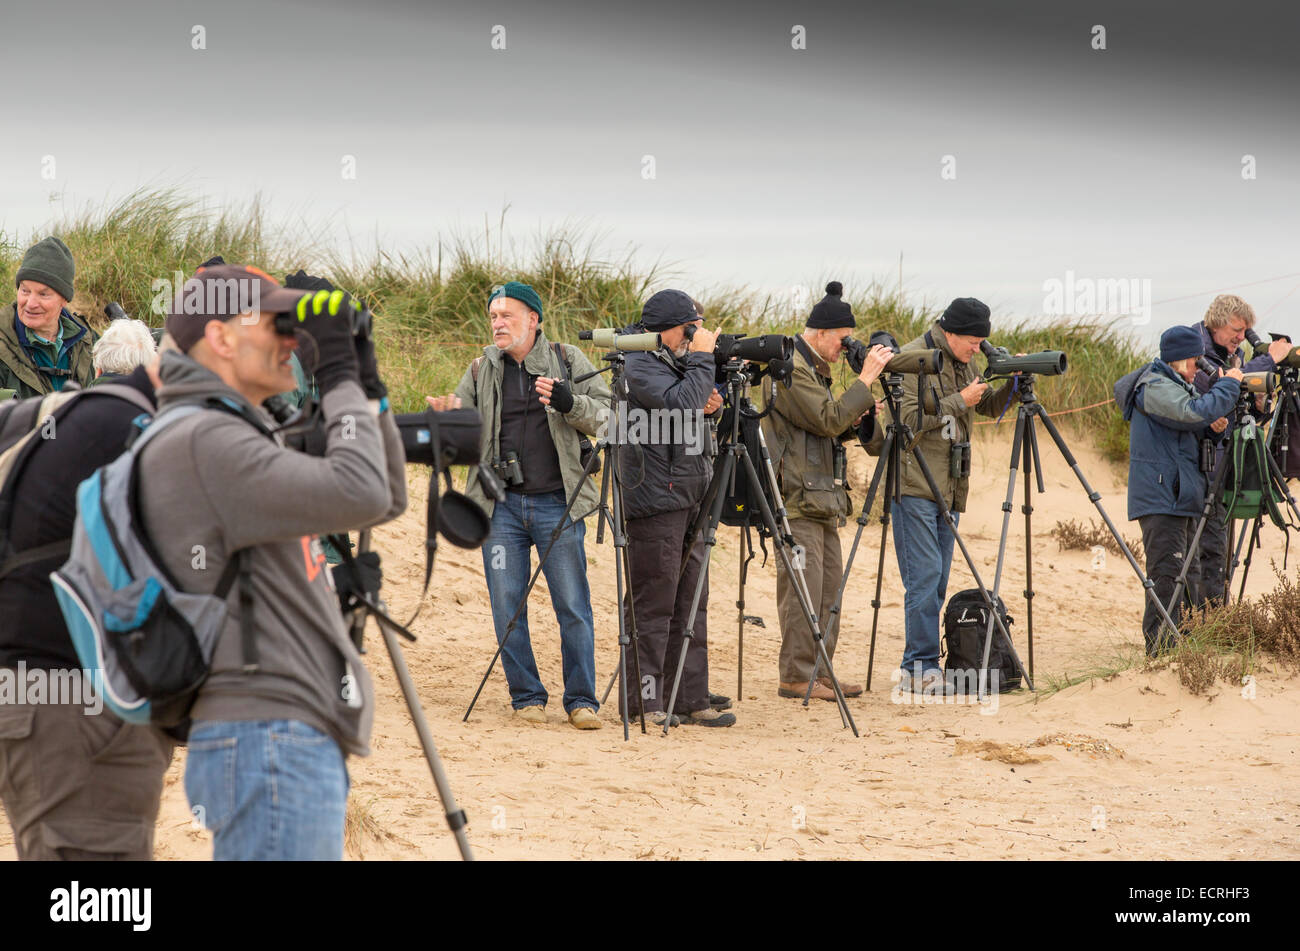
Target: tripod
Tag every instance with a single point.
(610, 488)
(366, 607)
(1031, 409)
(1287, 404)
(899, 438)
(732, 453)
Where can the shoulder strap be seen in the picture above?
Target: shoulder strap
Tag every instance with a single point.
(563, 356)
(239, 561)
(929, 339)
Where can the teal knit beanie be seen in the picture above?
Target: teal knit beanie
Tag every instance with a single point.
(523, 293)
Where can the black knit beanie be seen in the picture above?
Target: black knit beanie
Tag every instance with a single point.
(967, 317)
(48, 262)
(831, 311)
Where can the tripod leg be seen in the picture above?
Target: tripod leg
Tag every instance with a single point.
(561, 524)
(1207, 509)
(779, 543)
(745, 545)
(833, 618)
(1017, 445)
(885, 512)
(948, 518)
(1095, 498)
(710, 539)
(1250, 553)
(456, 820)
(1028, 508)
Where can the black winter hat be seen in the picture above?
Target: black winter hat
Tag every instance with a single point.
(668, 309)
(48, 262)
(967, 317)
(831, 311)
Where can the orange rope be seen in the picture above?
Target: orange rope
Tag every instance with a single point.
(1064, 412)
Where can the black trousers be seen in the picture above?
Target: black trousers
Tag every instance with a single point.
(1214, 554)
(1168, 540)
(662, 606)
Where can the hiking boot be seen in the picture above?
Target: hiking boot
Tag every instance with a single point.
(709, 717)
(532, 714)
(850, 690)
(584, 718)
(796, 691)
(657, 717)
(718, 702)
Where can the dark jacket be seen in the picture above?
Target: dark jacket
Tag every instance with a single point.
(1167, 421)
(665, 478)
(18, 369)
(1219, 357)
(91, 434)
(803, 432)
(211, 484)
(952, 424)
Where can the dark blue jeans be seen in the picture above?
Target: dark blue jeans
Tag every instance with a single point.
(518, 524)
(923, 543)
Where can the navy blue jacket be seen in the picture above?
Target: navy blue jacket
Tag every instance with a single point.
(1219, 357)
(665, 478)
(1167, 420)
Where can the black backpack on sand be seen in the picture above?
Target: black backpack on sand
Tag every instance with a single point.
(965, 621)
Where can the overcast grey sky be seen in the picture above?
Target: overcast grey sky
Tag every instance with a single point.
(773, 166)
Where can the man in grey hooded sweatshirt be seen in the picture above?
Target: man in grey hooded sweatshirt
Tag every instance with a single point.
(278, 714)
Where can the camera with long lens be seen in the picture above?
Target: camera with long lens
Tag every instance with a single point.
(913, 361)
(1002, 363)
(1253, 381)
(775, 351)
(607, 338)
(450, 438)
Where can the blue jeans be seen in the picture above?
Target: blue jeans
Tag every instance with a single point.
(519, 523)
(923, 543)
(272, 790)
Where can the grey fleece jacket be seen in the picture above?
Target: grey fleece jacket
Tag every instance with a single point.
(211, 484)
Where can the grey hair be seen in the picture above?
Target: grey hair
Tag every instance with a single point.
(125, 345)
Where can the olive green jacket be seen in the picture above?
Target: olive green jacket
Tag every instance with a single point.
(19, 373)
(802, 431)
(952, 424)
(589, 413)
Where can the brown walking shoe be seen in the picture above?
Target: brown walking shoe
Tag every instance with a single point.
(850, 690)
(796, 691)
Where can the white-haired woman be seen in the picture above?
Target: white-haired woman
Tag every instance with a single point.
(125, 345)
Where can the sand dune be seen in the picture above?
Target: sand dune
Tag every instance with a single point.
(1130, 767)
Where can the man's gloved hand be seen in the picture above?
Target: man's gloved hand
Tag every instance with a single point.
(562, 396)
(300, 280)
(372, 578)
(325, 318)
(369, 368)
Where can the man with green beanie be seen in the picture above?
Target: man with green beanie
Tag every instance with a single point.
(43, 345)
(534, 419)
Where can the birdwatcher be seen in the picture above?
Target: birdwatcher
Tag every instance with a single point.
(43, 344)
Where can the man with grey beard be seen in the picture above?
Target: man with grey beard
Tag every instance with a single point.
(534, 419)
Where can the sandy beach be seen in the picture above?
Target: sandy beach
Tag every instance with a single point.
(1131, 766)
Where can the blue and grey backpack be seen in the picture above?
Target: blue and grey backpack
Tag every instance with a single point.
(127, 616)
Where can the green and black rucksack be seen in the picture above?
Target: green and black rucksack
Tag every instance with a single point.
(1249, 491)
